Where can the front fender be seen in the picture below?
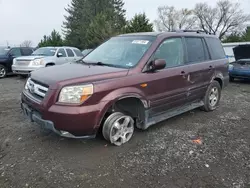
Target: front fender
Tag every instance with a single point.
(125, 93)
(116, 95)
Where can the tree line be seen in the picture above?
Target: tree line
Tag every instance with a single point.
(91, 22)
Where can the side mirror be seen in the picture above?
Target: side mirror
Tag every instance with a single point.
(158, 64)
(59, 54)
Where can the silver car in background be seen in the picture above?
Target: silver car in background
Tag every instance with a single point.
(44, 57)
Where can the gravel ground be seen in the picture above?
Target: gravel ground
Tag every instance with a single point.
(163, 156)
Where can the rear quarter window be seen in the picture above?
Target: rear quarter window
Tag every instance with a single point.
(78, 53)
(215, 48)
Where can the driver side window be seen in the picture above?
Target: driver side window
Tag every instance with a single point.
(172, 51)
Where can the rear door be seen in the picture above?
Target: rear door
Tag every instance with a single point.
(200, 67)
(71, 55)
(168, 86)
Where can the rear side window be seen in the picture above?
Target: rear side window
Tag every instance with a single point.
(215, 48)
(196, 50)
(70, 52)
(26, 51)
(78, 52)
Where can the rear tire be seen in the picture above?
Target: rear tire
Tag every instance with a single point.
(212, 97)
(231, 79)
(3, 71)
(118, 128)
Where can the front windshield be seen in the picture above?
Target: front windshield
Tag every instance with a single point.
(3, 50)
(44, 52)
(125, 51)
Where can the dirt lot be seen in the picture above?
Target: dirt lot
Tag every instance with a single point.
(163, 156)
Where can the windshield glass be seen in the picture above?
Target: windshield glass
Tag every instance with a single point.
(123, 52)
(45, 51)
(3, 50)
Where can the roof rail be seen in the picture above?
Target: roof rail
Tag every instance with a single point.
(194, 31)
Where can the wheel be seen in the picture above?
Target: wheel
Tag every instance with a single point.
(118, 128)
(49, 65)
(3, 71)
(231, 79)
(212, 97)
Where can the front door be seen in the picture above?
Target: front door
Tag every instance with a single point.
(62, 59)
(168, 87)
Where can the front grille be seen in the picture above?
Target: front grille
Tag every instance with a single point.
(23, 62)
(37, 90)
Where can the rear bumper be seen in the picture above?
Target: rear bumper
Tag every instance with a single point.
(18, 69)
(66, 121)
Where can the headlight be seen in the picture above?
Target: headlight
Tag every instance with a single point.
(230, 67)
(26, 84)
(75, 94)
(14, 61)
(37, 62)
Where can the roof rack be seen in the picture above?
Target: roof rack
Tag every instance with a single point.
(194, 31)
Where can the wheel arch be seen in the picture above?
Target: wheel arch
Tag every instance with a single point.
(50, 63)
(132, 103)
(219, 78)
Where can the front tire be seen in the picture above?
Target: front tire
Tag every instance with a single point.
(212, 97)
(118, 128)
(3, 71)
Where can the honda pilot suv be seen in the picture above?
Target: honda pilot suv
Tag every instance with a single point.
(130, 81)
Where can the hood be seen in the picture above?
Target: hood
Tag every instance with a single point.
(242, 52)
(75, 72)
(27, 58)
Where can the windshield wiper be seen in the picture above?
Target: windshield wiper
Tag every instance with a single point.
(107, 64)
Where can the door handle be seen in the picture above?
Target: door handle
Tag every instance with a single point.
(210, 67)
(183, 74)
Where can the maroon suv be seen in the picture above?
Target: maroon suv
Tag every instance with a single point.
(131, 80)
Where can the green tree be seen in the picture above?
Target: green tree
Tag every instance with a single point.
(246, 35)
(139, 23)
(234, 37)
(100, 29)
(83, 13)
(54, 39)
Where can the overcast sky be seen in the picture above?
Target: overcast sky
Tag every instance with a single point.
(30, 19)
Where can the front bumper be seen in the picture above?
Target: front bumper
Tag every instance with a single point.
(46, 124)
(240, 74)
(66, 121)
(24, 70)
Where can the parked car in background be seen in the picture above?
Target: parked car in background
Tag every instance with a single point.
(86, 52)
(44, 57)
(8, 54)
(131, 80)
(240, 68)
